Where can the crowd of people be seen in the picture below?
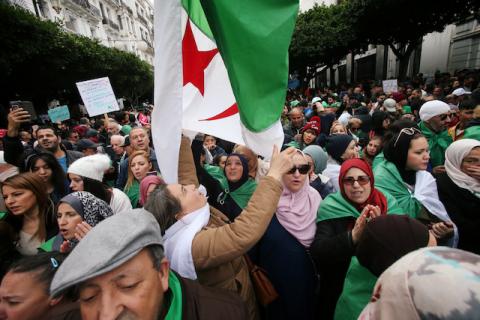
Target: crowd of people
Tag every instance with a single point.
(369, 210)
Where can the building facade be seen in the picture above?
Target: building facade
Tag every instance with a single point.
(123, 24)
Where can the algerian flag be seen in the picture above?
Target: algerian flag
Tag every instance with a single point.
(221, 68)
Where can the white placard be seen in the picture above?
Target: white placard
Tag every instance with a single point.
(390, 86)
(98, 96)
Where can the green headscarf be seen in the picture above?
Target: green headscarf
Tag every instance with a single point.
(241, 195)
(438, 144)
(319, 157)
(336, 206)
(388, 180)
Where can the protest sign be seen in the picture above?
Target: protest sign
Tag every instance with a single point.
(390, 86)
(59, 114)
(98, 96)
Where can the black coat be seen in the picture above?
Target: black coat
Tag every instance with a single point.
(332, 249)
(463, 208)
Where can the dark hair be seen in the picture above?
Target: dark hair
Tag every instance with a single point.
(164, 206)
(396, 127)
(217, 158)
(156, 254)
(208, 135)
(467, 104)
(97, 188)
(45, 127)
(43, 265)
(58, 178)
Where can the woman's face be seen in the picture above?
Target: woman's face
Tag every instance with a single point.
(189, 196)
(67, 219)
(386, 123)
(233, 169)
(19, 201)
(140, 167)
(373, 147)
(43, 170)
(22, 296)
(360, 190)
(351, 152)
(221, 163)
(338, 129)
(295, 181)
(309, 137)
(471, 161)
(311, 163)
(418, 155)
(76, 182)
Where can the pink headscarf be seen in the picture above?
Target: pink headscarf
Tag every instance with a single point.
(297, 212)
(145, 184)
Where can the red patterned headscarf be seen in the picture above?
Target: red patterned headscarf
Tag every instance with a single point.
(376, 198)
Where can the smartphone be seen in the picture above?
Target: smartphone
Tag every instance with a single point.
(152, 173)
(26, 106)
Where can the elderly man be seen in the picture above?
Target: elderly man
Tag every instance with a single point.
(139, 140)
(120, 272)
(297, 121)
(435, 116)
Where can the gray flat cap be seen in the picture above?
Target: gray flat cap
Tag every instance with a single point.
(108, 245)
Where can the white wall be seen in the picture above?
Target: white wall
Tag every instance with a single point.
(435, 51)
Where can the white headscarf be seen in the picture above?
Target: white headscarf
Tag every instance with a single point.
(454, 156)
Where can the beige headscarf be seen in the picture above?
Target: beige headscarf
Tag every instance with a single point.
(454, 156)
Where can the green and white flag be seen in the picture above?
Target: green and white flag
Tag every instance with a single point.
(221, 68)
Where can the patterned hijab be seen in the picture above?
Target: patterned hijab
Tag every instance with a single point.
(92, 209)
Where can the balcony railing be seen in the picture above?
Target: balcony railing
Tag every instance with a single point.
(143, 21)
(88, 6)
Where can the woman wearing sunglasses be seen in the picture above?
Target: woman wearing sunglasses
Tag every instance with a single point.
(404, 176)
(340, 222)
(282, 251)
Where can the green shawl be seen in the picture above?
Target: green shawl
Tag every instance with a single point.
(472, 133)
(47, 246)
(176, 305)
(335, 206)
(379, 158)
(357, 291)
(437, 142)
(388, 180)
(133, 193)
(242, 195)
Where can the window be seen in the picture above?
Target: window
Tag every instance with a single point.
(120, 22)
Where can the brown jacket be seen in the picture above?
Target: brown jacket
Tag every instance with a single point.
(218, 249)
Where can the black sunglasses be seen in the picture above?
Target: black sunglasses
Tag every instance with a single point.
(303, 169)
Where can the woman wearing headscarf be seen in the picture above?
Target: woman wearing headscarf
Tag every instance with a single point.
(340, 147)
(77, 213)
(380, 123)
(200, 242)
(384, 240)
(148, 184)
(404, 176)
(309, 134)
(283, 248)
(429, 283)
(459, 190)
(341, 219)
(317, 158)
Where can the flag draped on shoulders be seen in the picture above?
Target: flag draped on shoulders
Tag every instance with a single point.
(221, 68)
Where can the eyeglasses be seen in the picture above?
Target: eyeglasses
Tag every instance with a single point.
(362, 180)
(303, 169)
(407, 131)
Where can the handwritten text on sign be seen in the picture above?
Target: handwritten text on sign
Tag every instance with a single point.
(98, 96)
(59, 114)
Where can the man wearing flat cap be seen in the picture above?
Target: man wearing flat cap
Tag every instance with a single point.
(120, 272)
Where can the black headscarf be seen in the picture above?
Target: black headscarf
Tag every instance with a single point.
(235, 185)
(396, 151)
(387, 238)
(377, 122)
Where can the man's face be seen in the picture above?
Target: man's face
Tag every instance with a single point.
(296, 117)
(113, 128)
(116, 146)
(139, 139)
(134, 290)
(465, 115)
(440, 122)
(209, 142)
(74, 137)
(437, 91)
(89, 151)
(47, 139)
(25, 136)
